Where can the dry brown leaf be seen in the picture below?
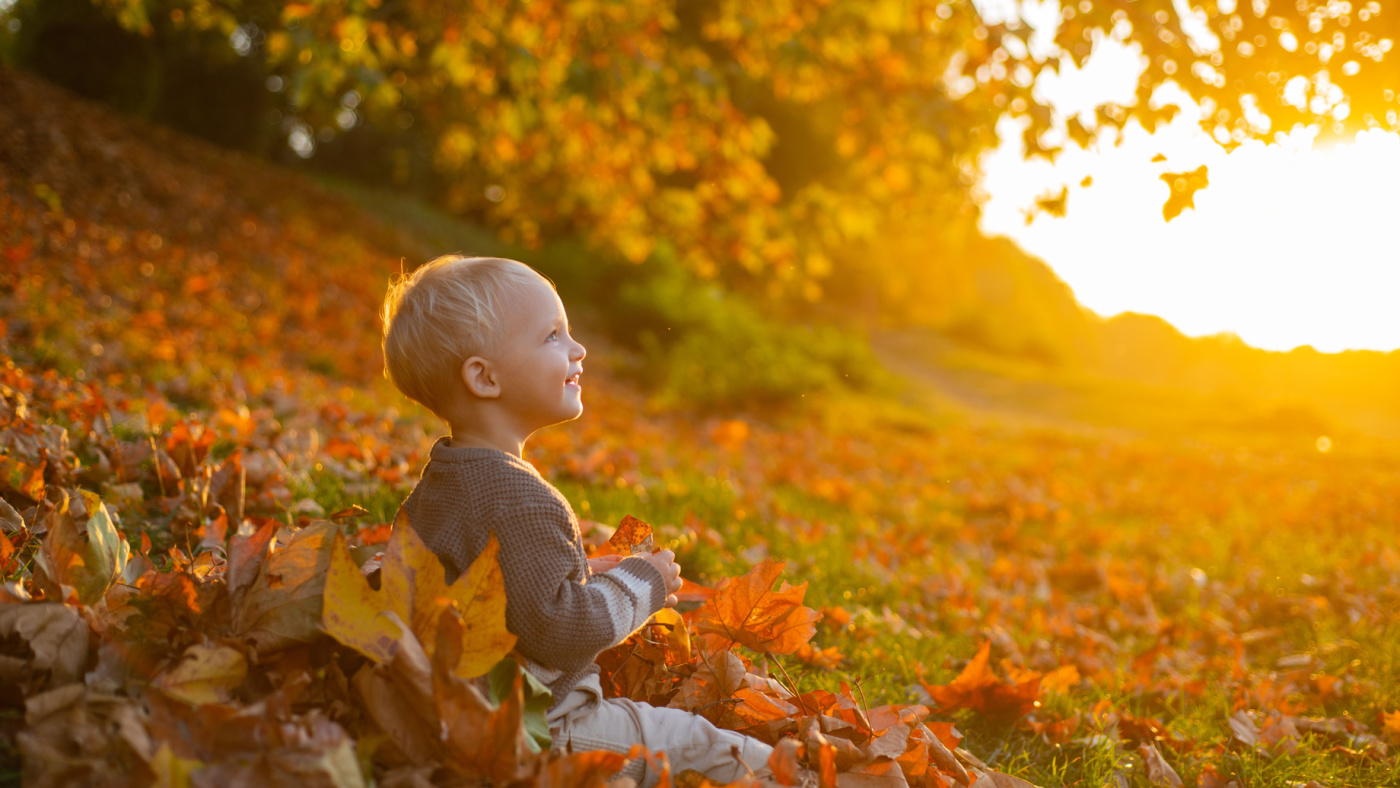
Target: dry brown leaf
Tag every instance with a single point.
(282, 606)
(56, 639)
(478, 741)
(245, 558)
(994, 779)
(890, 744)
(73, 736)
(580, 770)
(1243, 729)
(204, 674)
(878, 773)
(721, 675)
(1159, 772)
(941, 756)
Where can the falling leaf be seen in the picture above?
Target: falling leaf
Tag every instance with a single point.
(1184, 186)
(746, 610)
(1049, 203)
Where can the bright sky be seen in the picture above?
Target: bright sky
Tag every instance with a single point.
(1289, 245)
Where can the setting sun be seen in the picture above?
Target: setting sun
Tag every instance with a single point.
(1291, 243)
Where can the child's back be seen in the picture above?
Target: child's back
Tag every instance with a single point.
(562, 617)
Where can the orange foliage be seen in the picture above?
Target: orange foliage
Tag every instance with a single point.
(979, 689)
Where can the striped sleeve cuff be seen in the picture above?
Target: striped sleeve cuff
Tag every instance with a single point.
(633, 592)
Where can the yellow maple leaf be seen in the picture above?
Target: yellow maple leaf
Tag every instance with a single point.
(414, 589)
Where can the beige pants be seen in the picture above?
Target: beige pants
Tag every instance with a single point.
(585, 720)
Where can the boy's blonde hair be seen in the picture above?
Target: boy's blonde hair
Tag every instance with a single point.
(443, 313)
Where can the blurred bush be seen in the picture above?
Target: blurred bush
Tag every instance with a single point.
(704, 346)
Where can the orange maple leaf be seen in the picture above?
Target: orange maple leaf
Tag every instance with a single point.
(632, 537)
(746, 610)
(981, 690)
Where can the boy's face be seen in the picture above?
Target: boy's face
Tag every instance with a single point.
(539, 364)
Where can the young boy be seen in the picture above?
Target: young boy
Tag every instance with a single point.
(484, 343)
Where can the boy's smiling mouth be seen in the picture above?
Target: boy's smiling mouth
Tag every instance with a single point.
(572, 380)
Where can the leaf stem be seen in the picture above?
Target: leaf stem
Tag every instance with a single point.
(792, 685)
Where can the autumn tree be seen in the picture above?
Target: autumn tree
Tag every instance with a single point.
(773, 142)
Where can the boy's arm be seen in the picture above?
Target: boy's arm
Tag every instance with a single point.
(555, 617)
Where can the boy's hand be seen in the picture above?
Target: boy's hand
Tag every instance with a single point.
(665, 562)
(603, 563)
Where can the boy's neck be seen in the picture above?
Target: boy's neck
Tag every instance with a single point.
(463, 438)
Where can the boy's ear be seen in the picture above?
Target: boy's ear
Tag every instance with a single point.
(480, 378)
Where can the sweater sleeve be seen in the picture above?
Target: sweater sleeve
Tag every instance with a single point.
(558, 613)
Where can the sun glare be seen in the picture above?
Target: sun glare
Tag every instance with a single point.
(1291, 244)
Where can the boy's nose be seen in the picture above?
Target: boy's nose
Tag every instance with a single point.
(579, 352)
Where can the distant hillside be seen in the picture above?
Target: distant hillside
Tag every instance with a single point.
(991, 298)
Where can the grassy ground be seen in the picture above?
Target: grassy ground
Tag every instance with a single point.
(1146, 563)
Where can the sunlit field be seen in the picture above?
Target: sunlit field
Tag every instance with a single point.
(201, 458)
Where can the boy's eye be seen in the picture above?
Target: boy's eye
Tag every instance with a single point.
(554, 334)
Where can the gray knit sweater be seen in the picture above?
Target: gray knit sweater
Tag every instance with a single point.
(562, 614)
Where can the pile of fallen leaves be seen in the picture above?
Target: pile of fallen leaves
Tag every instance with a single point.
(251, 650)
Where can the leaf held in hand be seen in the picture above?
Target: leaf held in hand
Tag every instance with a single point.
(632, 537)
